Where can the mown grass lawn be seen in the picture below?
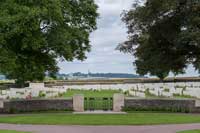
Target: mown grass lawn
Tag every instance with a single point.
(91, 93)
(126, 119)
(11, 131)
(191, 131)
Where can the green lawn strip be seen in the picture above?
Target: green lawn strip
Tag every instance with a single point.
(128, 119)
(191, 131)
(91, 93)
(11, 131)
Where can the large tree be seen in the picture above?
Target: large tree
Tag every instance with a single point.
(164, 36)
(35, 34)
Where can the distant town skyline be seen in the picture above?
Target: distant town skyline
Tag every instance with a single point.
(111, 31)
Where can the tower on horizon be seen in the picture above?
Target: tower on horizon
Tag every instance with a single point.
(88, 75)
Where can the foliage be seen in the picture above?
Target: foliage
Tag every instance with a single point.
(60, 94)
(126, 93)
(182, 96)
(42, 94)
(149, 94)
(164, 36)
(34, 34)
(166, 90)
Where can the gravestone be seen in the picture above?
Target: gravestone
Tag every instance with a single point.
(1, 103)
(118, 102)
(36, 85)
(78, 103)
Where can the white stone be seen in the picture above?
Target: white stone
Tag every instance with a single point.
(1, 103)
(118, 102)
(197, 103)
(78, 103)
(36, 85)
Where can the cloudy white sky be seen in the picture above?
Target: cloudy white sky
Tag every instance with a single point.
(111, 31)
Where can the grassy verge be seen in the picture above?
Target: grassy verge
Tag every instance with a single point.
(91, 93)
(11, 131)
(191, 131)
(128, 119)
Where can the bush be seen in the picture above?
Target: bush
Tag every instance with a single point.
(12, 111)
(41, 94)
(182, 96)
(148, 94)
(60, 94)
(126, 93)
(166, 90)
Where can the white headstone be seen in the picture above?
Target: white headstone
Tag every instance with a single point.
(36, 85)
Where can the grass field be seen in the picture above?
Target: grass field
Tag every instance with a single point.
(91, 93)
(127, 119)
(10, 131)
(192, 131)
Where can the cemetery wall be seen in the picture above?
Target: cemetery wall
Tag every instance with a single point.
(130, 104)
(17, 106)
(170, 105)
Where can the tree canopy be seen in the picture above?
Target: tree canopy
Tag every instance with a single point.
(35, 34)
(164, 36)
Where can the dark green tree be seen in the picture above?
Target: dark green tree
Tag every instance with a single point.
(35, 34)
(164, 36)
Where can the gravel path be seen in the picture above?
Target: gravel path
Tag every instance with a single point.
(100, 129)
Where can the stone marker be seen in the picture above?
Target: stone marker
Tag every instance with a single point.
(197, 103)
(118, 102)
(78, 103)
(36, 85)
(1, 103)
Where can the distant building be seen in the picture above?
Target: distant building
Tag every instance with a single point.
(90, 75)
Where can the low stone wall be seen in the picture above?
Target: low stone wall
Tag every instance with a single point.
(128, 104)
(171, 105)
(15, 106)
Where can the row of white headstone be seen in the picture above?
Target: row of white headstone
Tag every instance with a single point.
(160, 89)
(33, 90)
(182, 88)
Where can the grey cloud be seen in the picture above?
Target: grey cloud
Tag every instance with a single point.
(111, 31)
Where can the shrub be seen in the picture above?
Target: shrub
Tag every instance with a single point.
(182, 96)
(41, 94)
(60, 94)
(166, 90)
(126, 93)
(148, 94)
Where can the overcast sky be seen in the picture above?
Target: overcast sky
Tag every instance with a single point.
(111, 31)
